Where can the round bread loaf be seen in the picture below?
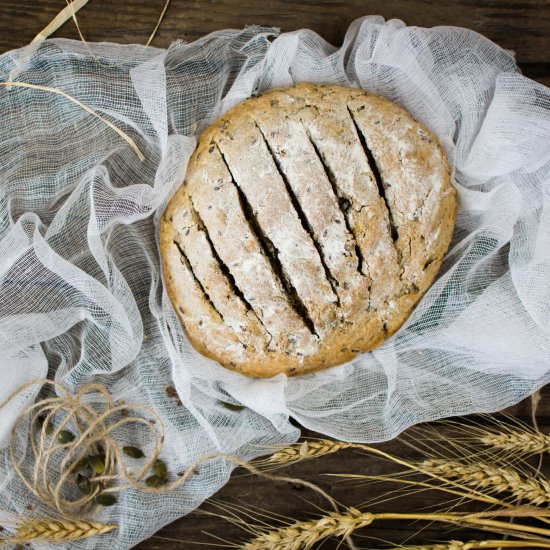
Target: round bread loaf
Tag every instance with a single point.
(311, 220)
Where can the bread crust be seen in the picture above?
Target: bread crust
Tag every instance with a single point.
(311, 220)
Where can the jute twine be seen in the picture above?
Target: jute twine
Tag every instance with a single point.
(93, 429)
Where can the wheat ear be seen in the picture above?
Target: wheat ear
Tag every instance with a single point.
(471, 545)
(518, 442)
(304, 534)
(497, 478)
(57, 530)
(304, 451)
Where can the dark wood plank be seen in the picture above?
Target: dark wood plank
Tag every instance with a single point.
(519, 25)
(540, 72)
(298, 503)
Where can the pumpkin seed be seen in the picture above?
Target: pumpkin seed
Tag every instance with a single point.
(97, 462)
(83, 484)
(155, 481)
(232, 406)
(82, 464)
(65, 437)
(159, 468)
(106, 499)
(133, 452)
(40, 423)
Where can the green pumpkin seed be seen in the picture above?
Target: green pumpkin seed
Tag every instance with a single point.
(97, 462)
(106, 499)
(65, 437)
(159, 468)
(133, 452)
(83, 484)
(155, 481)
(40, 424)
(232, 406)
(82, 464)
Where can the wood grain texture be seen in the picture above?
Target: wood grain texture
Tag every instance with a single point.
(519, 25)
(295, 502)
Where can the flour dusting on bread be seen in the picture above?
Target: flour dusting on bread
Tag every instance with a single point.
(311, 221)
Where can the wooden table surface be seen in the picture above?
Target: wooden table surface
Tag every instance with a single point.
(519, 25)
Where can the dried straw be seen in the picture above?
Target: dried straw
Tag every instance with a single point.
(158, 23)
(89, 110)
(68, 12)
(59, 20)
(471, 545)
(71, 5)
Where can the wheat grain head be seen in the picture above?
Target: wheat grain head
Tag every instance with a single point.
(498, 479)
(58, 530)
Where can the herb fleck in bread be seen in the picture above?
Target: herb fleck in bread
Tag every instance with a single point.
(311, 221)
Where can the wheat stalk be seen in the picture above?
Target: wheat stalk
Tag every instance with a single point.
(470, 545)
(518, 442)
(302, 535)
(321, 447)
(158, 23)
(83, 106)
(57, 530)
(59, 20)
(498, 478)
